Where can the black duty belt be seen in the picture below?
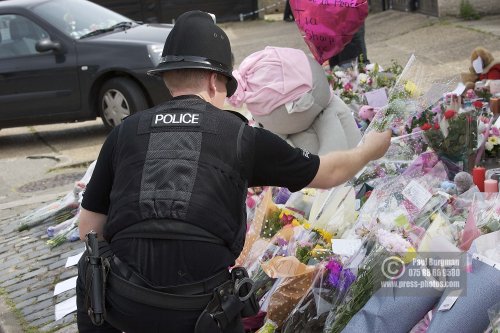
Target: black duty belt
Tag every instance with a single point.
(187, 297)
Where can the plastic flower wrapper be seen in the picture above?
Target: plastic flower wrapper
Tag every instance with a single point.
(309, 315)
(301, 201)
(402, 202)
(470, 314)
(486, 207)
(455, 137)
(334, 210)
(439, 236)
(60, 210)
(277, 246)
(254, 197)
(380, 245)
(294, 279)
(407, 97)
(55, 212)
(255, 245)
(402, 151)
(65, 234)
(494, 315)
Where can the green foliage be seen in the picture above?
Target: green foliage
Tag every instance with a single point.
(467, 11)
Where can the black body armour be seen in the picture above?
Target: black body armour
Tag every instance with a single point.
(176, 166)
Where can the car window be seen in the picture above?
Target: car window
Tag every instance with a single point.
(77, 18)
(18, 36)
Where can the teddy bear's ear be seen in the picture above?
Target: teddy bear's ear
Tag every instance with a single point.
(484, 54)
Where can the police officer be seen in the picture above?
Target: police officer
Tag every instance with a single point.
(169, 187)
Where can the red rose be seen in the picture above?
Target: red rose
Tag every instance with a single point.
(436, 126)
(449, 113)
(425, 127)
(478, 104)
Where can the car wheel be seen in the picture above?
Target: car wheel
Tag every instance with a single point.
(119, 98)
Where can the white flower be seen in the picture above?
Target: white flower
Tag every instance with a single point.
(488, 145)
(362, 78)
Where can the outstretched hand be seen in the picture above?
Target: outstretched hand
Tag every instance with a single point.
(376, 144)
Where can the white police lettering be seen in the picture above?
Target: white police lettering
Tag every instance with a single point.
(177, 119)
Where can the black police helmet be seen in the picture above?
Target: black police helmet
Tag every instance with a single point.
(197, 42)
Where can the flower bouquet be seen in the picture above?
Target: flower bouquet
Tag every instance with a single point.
(286, 270)
(66, 231)
(309, 315)
(450, 133)
(486, 207)
(407, 97)
(55, 212)
(380, 245)
(60, 210)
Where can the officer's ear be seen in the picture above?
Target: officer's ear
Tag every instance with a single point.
(212, 84)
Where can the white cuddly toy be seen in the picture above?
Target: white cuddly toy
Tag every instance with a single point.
(287, 92)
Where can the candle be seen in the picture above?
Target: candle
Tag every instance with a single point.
(478, 176)
(490, 185)
(495, 105)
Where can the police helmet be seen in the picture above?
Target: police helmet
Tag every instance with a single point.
(197, 42)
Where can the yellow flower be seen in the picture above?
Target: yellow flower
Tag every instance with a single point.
(411, 88)
(306, 225)
(493, 140)
(326, 235)
(409, 255)
(295, 223)
(317, 250)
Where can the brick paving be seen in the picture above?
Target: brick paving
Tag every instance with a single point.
(29, 270)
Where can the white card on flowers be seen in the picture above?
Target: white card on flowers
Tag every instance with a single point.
(346, 247)
(416, 194)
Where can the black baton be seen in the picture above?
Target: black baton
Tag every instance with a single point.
(96, 309)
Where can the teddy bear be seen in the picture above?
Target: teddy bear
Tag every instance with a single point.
(288, 93)
(488, 69)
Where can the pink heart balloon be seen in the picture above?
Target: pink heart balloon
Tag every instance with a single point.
(328, 25)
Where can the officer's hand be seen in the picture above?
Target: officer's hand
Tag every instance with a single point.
(375, 144)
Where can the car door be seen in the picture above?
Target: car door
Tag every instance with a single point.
(35, 84)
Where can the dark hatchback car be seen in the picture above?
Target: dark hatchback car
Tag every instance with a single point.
(73, 60)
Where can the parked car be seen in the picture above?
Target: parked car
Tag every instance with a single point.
(73, 60)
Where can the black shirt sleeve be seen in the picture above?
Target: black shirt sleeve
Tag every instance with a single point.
(96, 195)
(276, 163)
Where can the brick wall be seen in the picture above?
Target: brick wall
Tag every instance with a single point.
(452, 7)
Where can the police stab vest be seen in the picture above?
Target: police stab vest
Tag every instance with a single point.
(178, 171)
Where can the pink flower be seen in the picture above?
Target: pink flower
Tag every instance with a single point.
(348, 86)
(495, 131)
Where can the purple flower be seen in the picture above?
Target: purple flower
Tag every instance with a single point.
(348, 278)
(436, 109)
(281, 242)
(335, 268)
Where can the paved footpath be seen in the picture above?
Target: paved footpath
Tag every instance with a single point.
(29, 269)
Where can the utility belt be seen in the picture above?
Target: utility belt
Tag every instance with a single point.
(222, 298)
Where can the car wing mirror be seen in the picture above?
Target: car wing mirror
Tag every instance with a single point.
(47, 44)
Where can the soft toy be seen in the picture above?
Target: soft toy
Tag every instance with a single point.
(287, 92)
(489, 68)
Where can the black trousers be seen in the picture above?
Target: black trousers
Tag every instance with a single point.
(125, 315)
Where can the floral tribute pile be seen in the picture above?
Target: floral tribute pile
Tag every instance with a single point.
(418, 200)
(332, 260)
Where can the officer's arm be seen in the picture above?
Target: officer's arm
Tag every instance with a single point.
(338, 167)
(89, 220)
